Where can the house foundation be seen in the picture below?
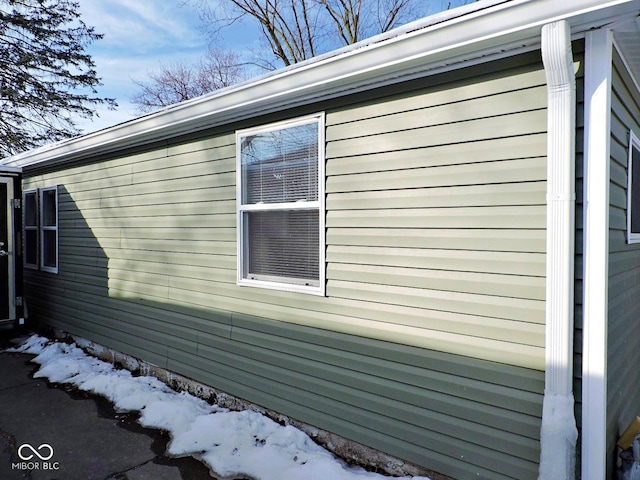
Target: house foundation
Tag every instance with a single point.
(349, 450)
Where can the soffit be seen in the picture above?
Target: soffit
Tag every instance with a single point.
(627, 38)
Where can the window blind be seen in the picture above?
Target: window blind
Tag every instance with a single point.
(280, 227)
(283, 243)
(281, 166)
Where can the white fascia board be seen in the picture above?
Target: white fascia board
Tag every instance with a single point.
(422, 48)
(597, 139)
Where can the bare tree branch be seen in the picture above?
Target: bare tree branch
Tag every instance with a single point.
(178, 82)
(295, 30)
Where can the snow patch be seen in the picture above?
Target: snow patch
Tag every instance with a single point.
(230, 443)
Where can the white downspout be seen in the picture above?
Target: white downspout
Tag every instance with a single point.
(559, 434)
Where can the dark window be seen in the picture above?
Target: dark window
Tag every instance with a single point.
(49, 229)
(633, 205)
(31, 229)
(40, 212)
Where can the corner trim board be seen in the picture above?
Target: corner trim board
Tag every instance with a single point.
(598, 81)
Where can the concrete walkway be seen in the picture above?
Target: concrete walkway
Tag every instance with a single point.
(49, 433)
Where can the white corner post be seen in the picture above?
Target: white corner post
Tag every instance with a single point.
(559, 434)
(597, 136)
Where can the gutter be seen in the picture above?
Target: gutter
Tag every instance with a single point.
(11, 170)
(559, 434)
(474, 34)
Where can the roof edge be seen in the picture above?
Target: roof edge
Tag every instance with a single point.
(454, 37)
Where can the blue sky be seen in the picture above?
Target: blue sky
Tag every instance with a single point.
(139, 36)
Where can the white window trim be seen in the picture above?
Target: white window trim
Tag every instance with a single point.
(634, 142)
(35, 228)
(44, 228)
(318, 118)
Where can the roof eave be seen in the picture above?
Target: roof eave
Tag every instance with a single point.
(500, 29)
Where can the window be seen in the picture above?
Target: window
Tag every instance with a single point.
(41, 229)
(280, 192)
(30, 208)
(49, 229)
(633, 190)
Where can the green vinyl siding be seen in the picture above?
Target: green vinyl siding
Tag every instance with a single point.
(623, 380)
(429, 342)
(433, 187)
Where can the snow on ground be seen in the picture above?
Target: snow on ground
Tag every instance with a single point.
(230, 443)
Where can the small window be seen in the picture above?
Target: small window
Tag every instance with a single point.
(41, 229)
(49, 229)
(633, 190)
(280, 191)
(30, 209)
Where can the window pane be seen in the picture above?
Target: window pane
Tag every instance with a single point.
(30, 210)
(283, 244)
(281, 166)
(31, 247)
(49, 248)
(635, 190)
(49, 208)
